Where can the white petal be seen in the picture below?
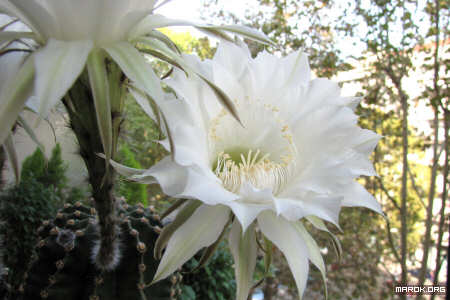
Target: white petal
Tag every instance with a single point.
(244, 250)
(35, 15)
(350, 102)
(321, 91)
(314, 252)
(187, 133)
(364, 141)
(245, 212)
(134, 65)
(124, 170)
(322, 206)
(297, 69)
(200, 230)
(58, 65)
(234, 59)
(143, 102)
(286, 237)
(171, 177)
(207, 188)
(356, 195)
(13, 96)
(251, 203)
(9, 65)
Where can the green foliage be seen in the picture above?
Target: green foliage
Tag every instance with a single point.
(23, 208)
(215, 281)
(132, 191)
(62, 268)
(50, 173)
(189, 44)
(34, 166)
(43, 188)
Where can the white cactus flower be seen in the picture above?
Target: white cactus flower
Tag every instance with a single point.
(69, 35)
(295, 156)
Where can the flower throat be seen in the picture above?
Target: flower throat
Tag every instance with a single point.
(234, 168)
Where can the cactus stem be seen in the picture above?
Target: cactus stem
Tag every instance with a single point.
(81, 109)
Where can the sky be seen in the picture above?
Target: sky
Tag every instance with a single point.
(190, 9)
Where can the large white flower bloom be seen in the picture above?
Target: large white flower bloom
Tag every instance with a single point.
(296, 154)
(72, 34)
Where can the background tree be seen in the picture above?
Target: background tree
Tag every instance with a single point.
(401, 51)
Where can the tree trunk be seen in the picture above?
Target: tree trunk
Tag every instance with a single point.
(437, 98)
(270, 288)
(404, 193)
(431, 192)
(442, 219)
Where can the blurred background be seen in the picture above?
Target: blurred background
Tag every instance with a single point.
(395, 55)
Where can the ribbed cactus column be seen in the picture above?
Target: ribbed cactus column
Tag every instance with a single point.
(62, 269)
(80, 106)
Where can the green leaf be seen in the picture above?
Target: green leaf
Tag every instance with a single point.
(100, 90)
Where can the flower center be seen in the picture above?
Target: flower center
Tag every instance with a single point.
(234, 168)
(260, 152)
